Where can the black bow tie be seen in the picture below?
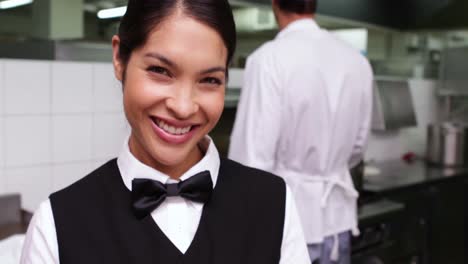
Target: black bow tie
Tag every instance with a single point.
(148, 194)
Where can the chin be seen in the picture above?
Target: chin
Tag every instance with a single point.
(170, 156)
(170, 159)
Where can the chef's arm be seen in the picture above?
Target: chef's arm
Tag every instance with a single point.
(366, 117)
(256, 131)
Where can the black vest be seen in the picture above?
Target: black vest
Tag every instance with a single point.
(241, 224)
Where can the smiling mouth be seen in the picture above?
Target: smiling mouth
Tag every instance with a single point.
(173, 130)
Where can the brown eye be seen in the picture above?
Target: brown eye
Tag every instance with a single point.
(159, 70)
(212, 80)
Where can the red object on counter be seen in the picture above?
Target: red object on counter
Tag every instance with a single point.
(409, 157)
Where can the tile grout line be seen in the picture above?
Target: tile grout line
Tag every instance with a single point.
(4, 88)
(93, 115)
(3, 126)
(51, 124)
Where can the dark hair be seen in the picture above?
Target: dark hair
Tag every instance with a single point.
(143, 16)
(298, 6)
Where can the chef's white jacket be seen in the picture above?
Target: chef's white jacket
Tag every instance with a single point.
(304, 114)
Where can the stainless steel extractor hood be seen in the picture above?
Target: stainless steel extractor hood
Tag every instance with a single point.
(395, 14)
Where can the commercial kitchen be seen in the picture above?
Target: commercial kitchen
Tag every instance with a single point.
(61, 113)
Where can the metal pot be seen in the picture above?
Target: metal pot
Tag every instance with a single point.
(447, 144)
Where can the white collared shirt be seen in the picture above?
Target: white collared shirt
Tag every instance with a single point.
(176, 217)
(304, 114)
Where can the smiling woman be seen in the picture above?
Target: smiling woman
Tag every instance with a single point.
(169, 197)
(174, 83)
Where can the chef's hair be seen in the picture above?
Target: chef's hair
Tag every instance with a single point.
(143, 16)
(298, 6)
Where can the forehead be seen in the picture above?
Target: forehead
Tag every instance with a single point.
(180, 36)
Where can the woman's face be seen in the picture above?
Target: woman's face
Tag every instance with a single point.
(174, 89)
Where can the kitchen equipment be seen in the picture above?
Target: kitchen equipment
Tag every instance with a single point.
(13, 220)
(10, 209)
(393, 105)
(384, 237)
(447, 144)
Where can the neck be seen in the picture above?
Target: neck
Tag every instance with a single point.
(286, 19)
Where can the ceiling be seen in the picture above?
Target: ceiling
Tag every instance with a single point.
(96, 5)
(326, 20)
(333, 14)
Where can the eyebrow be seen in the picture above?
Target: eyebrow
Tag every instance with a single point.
(161, 58)
(214, 69)
(172, 64)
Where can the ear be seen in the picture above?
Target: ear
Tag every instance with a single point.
(117, 62)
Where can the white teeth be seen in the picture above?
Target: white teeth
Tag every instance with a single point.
(172, 130)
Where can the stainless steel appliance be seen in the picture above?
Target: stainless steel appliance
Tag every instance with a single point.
(447, 144)
(393, 105)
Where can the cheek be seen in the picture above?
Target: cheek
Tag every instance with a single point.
(140, 95)
(214, 107)
(135, 106)
(132, 100)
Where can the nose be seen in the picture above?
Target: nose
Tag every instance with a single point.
(182, 104)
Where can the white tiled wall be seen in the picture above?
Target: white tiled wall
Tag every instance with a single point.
(98, 163)
(2, 181)
(107, 90)
(2, 138)
(58, 121)
(108, 132)
(27, 140)
(2, 88)
(2, 145)
(64, 174)
(71, 138)
(395, 143)
(34, 184)
(72, 87)
(27, 87)
(2, 156)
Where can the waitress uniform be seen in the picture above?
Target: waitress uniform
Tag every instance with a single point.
(249, 218)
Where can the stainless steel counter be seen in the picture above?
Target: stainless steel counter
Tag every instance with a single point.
(397, 174)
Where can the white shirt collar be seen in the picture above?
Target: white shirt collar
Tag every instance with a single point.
(300, 24)
(130, 167)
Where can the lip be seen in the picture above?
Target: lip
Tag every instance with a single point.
(174, 123)
(170, 138)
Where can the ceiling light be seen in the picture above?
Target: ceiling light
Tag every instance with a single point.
(90, 8)
(112, 12)
(14, 3)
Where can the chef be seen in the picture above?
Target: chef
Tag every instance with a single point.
(304, 114)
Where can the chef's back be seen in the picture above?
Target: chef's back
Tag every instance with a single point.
(304, 114)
